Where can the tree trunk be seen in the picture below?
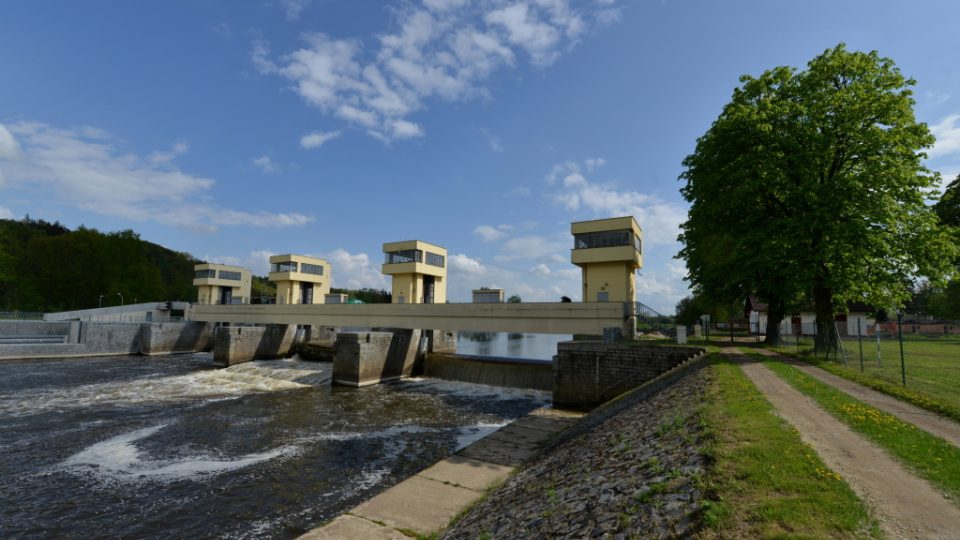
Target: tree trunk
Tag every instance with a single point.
(823, 306)
(775, 314)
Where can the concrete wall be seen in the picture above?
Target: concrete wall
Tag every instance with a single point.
(110, 338)
(361, 359)
(617, 279)
(238, 344)
(501, 372)
(443, 341)
(587, 374)
(176, 337)
(83, 339)
(105, 338)
(34, 328)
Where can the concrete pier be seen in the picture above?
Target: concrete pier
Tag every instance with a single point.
(238, 344)
(367, 358)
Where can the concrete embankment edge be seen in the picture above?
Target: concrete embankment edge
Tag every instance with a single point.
(628, 399)
(428, 501)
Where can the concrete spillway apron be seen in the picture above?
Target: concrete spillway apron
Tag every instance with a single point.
(427, 501)
(906, 506)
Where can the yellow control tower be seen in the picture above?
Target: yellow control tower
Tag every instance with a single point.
(419, 272)
(609, 255)
(300, 279)
(222, 284)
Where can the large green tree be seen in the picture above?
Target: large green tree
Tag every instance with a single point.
(948, 207)
(810, 186)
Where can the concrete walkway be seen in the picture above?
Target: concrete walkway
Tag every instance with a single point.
(931, 422)
(906, 506)
(426, 502)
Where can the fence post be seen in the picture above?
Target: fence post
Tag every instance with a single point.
(836, 334)
(903, 367)
(860, 340)
(879, 358)
(731, 331)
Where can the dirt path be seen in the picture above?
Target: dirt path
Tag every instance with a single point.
(906, 506)
(930, 422)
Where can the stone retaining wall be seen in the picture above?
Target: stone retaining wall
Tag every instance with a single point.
(587, 374)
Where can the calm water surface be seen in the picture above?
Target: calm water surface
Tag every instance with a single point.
(172, 447)
(529, 346)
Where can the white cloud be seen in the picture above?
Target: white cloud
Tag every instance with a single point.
(440, 50)
(936, 97)
(265, 164)
(292, 9)
(493, 141)
(159, 158)
(9, 148)
(488, 233)
(318, 139)
(661, 292)
(947, 133)
(6, 213)
(463, 264)
(259, 261)
(531, 247)
(85, 169)
(659, 220)
(355, 271)
(541, 270)
(594, 163)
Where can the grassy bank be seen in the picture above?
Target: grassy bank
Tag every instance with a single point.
(931, 457)
(933, 378)
(764, 481)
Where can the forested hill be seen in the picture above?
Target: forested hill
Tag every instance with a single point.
(47, 267)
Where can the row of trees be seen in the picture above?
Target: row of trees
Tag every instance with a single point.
(810, 188)
(47, 267)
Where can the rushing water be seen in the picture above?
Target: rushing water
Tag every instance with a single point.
(502, 344)
(171, 447)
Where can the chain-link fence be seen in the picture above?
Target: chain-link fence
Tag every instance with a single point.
(733, 331)
(922, 356)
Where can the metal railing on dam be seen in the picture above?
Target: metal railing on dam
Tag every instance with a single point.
(534, 318)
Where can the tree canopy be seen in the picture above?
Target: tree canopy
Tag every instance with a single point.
(47, 267)
(810, 186)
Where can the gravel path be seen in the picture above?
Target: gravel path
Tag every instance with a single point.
(928, 421)
(906, 506)
(632, 476)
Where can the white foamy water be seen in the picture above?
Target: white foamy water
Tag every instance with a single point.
(119, 459)
(235, 381)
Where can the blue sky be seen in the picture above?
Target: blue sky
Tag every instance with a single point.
(233, 130)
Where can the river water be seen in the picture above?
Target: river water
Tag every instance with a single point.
(507, 345)
(172, 447)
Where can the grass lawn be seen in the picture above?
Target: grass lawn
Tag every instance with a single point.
(931, 457)
(765, 481)
(932, 368)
